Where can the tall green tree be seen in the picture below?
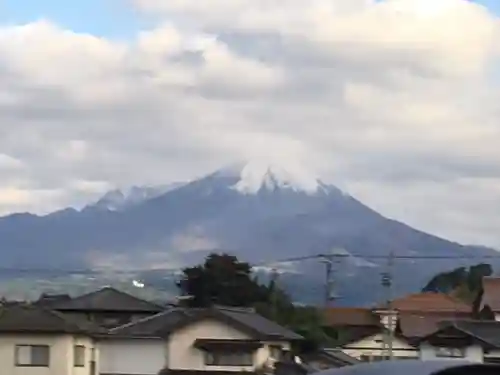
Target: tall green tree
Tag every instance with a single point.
(223, 280)
(464, 283)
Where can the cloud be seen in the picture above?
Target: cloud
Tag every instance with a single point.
(396, 101)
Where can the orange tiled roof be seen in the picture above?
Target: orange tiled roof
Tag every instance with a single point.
(350, 316)
(430, 302)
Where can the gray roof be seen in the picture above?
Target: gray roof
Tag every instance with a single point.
(258, 323)
(159, 325)
(107, 299)
(407, 367)
(30, 318)
(486, 331)
(162, 324)
(340, 356)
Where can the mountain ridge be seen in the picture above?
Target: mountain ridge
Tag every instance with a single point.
(272, 221)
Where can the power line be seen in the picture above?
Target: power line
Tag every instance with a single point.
(379, 256)
(97, 271)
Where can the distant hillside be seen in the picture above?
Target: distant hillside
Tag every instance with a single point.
(258, 212)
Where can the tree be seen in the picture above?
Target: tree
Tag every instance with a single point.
(221, 280)
(463, 283)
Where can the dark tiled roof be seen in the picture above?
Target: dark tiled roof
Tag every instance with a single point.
(349, 316)
(50, 299)
(162, 324)
(28, 318)
(159, 325)
(258, 323)
(339, 357)
(107, 299)
(414, 325)
(491, 293)
(486, 331)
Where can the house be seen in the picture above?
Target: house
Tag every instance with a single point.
(364, 332)
(430, 306)
(431, 302)
(417, 315)
(182, 341)
(107, 307)
(375, 347)
(361, 333)
(35, 340)
(475, 341)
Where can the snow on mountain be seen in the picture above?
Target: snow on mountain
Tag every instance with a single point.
(119, 199)
(258, 175)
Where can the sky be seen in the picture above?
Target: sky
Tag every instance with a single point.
(394, 101)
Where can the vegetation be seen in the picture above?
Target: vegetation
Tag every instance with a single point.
(463, 283)
(223, 280)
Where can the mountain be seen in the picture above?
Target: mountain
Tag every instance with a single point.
(120, 199)
(258, 211)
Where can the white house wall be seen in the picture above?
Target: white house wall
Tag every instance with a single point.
(374, 346)
(184, 356)
(61, 354)
(473, 353)
(132, 356)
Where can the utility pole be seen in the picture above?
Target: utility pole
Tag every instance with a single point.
(328, 280)
(274, 280)
(328, 260)
(387, 280)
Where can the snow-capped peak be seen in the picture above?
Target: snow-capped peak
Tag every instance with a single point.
(120, 199)
(257, 175)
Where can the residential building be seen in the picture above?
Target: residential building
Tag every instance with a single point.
(107, 307)
(431, 302)
(475, 341)
(191, 341)
(38, 341)
(364, 332)
(376, 347)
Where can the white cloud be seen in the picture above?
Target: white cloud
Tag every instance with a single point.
(395, 100)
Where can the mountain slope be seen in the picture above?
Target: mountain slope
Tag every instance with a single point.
(118, 200)
(258, 212)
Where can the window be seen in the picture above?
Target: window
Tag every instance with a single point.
(275, 352)
(229, 358)
(443, 352)
(32, 355)
(79, 355)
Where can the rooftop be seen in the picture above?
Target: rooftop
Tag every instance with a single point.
(413, 325)
(106, 299)
(430, 302)
(486, 331)
(30, 318)
(350, 316)
(164, 323)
